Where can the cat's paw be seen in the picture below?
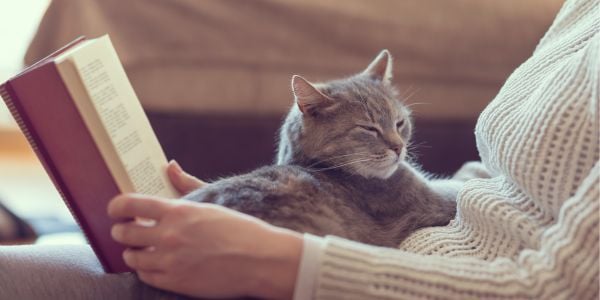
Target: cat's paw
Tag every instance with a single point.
(471, 170)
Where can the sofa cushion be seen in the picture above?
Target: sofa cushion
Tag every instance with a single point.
(236, 57)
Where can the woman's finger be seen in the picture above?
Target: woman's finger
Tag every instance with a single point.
(182, 181)
(135, 234)
(133, 205)
(153, 278)
(143, 260)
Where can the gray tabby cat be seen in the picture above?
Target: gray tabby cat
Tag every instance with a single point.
(341, 167)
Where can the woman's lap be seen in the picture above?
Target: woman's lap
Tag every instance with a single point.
(65, 272)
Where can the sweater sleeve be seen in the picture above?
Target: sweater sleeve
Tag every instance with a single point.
(565, 266)
(311, 259)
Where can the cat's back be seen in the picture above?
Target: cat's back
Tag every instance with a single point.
(284, 195)
(269, 183)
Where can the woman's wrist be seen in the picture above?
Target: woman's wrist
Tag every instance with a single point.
(278, 264)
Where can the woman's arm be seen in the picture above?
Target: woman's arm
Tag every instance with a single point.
(565, 265)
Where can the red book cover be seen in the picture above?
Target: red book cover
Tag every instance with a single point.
(40, 102)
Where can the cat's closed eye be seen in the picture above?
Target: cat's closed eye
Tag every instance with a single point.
(400, 124)
(369, 129)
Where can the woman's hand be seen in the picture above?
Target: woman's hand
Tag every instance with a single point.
(205, 250)
(183, 182)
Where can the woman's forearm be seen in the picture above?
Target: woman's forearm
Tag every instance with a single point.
(277, 263)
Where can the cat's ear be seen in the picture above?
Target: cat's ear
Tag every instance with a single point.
(381, 67)
(309, 99)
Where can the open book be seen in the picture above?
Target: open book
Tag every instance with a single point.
(81, 116)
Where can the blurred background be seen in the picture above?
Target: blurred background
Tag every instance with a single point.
(214, 76)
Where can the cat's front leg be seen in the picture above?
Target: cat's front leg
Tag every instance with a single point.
(471, 170)
(448, 188)
(445, 191)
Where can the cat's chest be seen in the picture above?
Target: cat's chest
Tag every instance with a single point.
(378, 199)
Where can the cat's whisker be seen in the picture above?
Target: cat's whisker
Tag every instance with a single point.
(417, 103)
(350, 154)
(409, 89)
(342, 156)
(412, 146)
(412, 151)
(341, 165)
(412, 157)
(363, 154)
(409, 93)
(310, 166)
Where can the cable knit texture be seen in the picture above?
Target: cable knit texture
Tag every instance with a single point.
(531, 231)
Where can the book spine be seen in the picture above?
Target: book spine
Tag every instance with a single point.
(33, 142)
(17, 116)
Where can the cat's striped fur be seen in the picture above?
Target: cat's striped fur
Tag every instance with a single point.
(341, 167)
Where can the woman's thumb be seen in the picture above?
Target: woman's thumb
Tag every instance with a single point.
(183, 182)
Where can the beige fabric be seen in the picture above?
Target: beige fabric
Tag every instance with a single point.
(531, 231)
(238, 56)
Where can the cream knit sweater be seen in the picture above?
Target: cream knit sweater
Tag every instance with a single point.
(531, 231)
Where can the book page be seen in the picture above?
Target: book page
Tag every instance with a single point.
(116, 119)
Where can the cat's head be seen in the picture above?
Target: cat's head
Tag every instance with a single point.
(357, 124)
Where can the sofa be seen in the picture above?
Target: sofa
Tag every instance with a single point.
(214, 76)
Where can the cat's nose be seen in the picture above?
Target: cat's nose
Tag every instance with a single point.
(397, 149)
